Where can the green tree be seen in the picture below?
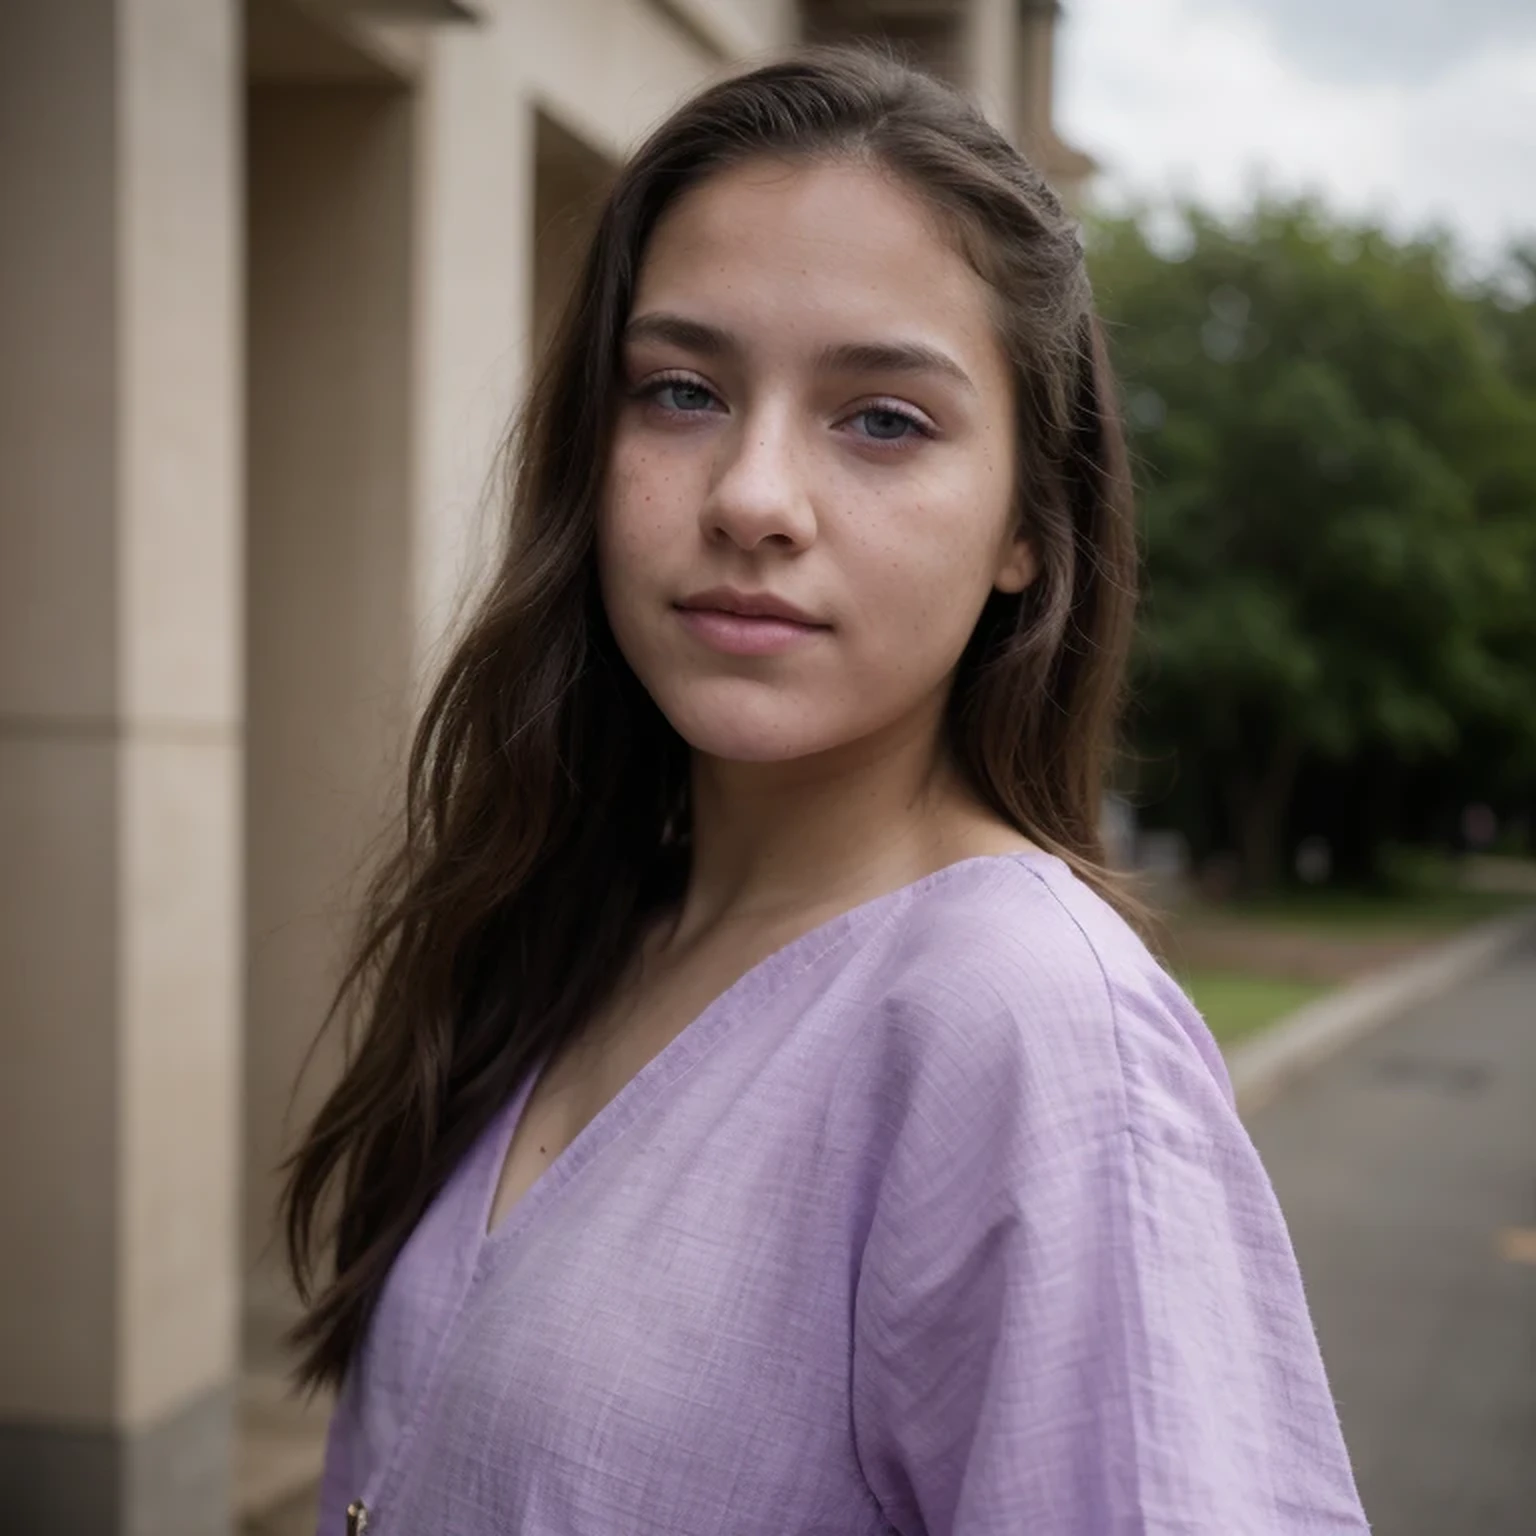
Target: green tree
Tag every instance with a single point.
(1338, 480)
(1510, 300)
(1506, 736)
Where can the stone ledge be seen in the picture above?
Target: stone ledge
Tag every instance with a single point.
(1262, 1066)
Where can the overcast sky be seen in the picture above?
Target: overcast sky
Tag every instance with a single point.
(1417, 111)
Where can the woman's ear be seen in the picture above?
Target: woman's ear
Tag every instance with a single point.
(1018, 565)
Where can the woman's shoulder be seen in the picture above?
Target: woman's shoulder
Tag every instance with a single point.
(1011, 969)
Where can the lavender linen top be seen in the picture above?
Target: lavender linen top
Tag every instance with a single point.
(940, 1220)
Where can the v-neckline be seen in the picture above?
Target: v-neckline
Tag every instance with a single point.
(755, 986)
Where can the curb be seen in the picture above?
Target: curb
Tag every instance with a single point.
(1261, 1067)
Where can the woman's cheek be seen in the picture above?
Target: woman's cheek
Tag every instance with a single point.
(917, 578)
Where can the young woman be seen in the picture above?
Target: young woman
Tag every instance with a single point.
(764, 1119)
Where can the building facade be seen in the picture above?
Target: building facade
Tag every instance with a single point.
(273, 273)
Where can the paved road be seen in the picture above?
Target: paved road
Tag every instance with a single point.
(1407, 1168)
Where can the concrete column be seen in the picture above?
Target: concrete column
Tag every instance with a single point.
(329, 541)
(570, 180)
(991, 28)
(474, 305)
(119, 764)
(1033, 115)
(1035, 68)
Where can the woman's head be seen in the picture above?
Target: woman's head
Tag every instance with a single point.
(773, 263)
(814, 407)
(833, 342)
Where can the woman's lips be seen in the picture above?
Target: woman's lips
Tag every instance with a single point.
(738, 635)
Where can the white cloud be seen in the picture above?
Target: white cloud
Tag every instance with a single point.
(1193, 97)
(1417, 40)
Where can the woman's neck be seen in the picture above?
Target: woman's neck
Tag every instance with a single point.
(776, 843)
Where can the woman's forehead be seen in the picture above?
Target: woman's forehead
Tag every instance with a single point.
(810, 251)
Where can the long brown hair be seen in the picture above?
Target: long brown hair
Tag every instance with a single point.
(546, 812)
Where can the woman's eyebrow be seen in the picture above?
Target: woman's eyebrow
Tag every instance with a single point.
(892, 357)
(690, 335)
(843, 357)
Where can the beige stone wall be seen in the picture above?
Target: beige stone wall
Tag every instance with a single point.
(328, 401)
(59, 896)
(991, 32)
(179, 660)
(119, 709)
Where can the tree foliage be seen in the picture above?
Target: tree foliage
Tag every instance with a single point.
(1336, 452)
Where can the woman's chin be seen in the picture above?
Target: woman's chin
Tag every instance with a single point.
(751, 747)
(752, 736)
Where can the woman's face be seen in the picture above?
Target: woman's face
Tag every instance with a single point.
(817, 413)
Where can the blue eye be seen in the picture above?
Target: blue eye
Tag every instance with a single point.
(886, 426)
(681, 395)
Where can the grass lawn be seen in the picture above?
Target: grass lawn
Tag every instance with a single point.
(1248, 963)
(1236, 1003)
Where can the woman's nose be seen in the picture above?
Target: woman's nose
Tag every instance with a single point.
(760, 492)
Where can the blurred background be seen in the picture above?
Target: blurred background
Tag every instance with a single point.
(271, 276)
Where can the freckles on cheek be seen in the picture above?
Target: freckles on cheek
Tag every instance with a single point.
(914, 558)
(916, 635)
(623, 499)
(644, 494)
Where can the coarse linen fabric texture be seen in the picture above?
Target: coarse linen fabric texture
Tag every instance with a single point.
(940, 1220)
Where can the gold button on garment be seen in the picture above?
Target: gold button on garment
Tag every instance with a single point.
(357, 1518)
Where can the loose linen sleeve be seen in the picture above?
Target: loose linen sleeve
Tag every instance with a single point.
(1078, 1312)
